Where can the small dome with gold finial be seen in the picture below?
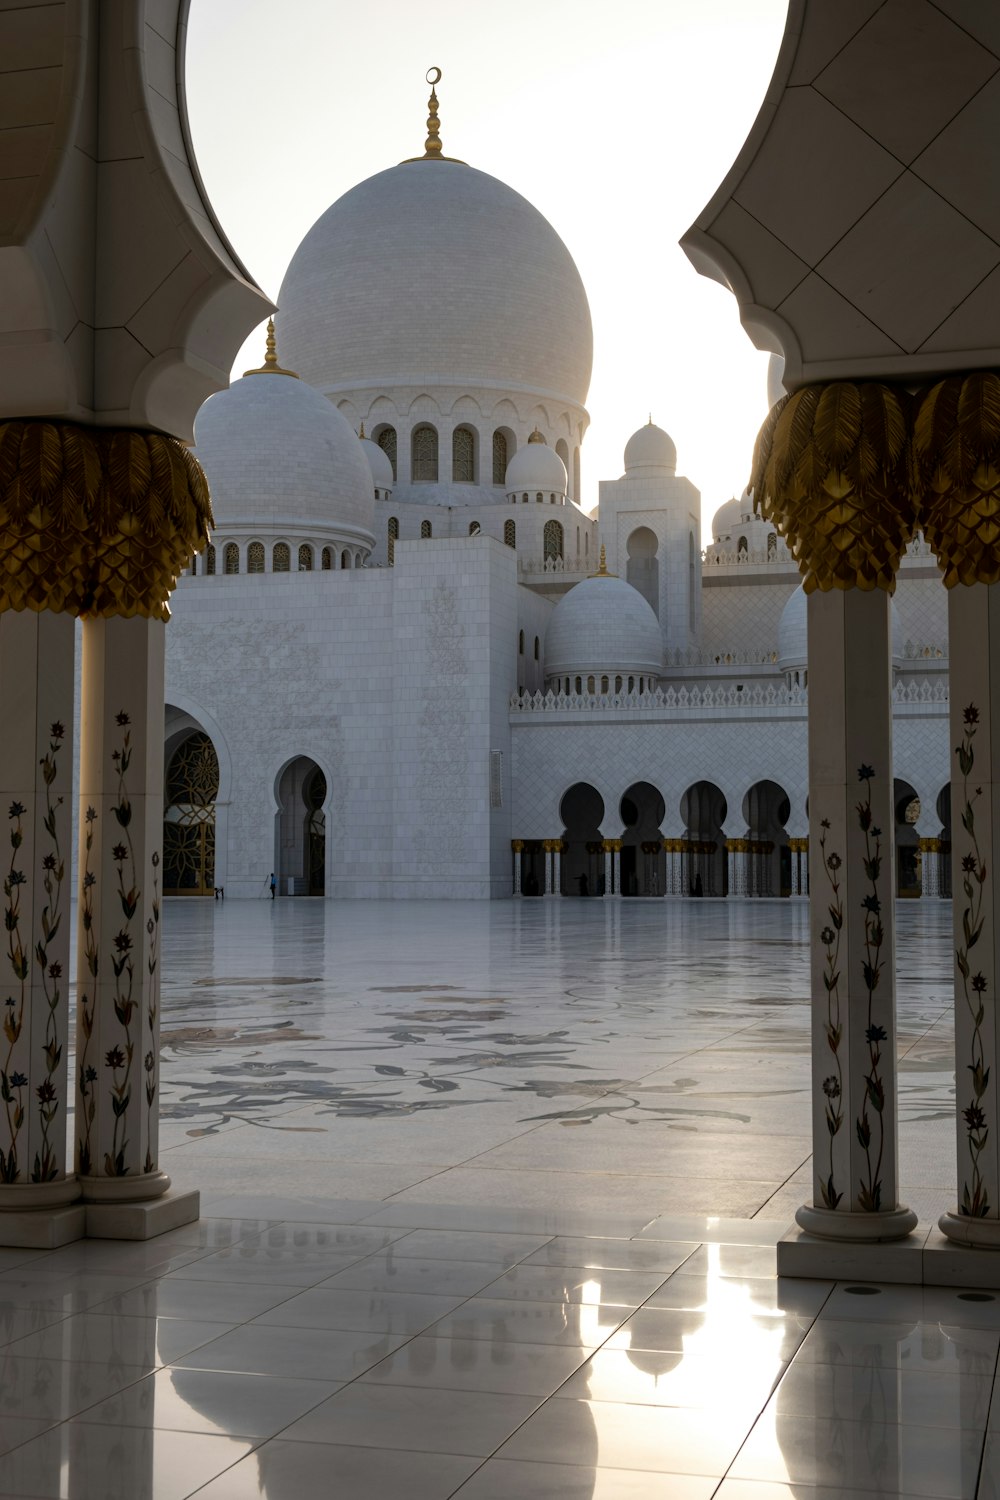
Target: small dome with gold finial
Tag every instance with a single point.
(380, 464)
(603, 628)
(536, 469)
(281, 460)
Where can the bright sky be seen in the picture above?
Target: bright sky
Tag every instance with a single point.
(618, 121)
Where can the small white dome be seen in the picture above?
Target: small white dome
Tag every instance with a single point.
(793, 639)
(650, 448)
(380, 464)
(603, 625)
(729, 517)
(280, 458)
(535, 467)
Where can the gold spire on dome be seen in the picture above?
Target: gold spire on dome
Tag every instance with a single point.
(361, 434)
(433, 150)
(602, 566)
(536, 437)
(270, 365)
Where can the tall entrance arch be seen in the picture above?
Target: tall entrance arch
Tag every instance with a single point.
(643, 860)
(703, 867)
(300, 829)
(642, 568)
(581, 810)
(907, 808)
(190, 790)
(766, 809)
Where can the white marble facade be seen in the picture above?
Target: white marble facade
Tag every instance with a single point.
(367, 651)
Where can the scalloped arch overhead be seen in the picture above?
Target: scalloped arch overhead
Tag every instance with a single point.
(123, 302)
(853, 228)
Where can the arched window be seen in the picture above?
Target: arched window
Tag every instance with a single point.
(499, 457)
(345, 559)
(210, 560)
(536, 648)
(425, 530)
(552, 543)
(463, 456)
(576, 475)
(255, 557)
(772, 546)
(387, 442)
(392, 537)
(510, 533)
(586, 544)
(474, 528)
(524, 499)
(305, 558)
(742, 549)
(327, 560)
(591, 685)
(604, 684)
(539, 498)
(425, 454)
(563, 452)
(618, 684)
(520, 643)
(281, 558)
(579, 686)
(231, 558)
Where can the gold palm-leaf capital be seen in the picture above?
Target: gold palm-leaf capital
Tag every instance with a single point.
(955, 473)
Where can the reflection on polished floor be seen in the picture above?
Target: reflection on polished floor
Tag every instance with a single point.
(491, 1196)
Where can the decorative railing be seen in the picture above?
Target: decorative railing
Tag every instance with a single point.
(751, 695)
(577, 566)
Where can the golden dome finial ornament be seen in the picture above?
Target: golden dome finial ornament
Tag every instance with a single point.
(433, 150)
(270, 365)
(602, 566)
(432, 145)
(536, 437)
(361, 434)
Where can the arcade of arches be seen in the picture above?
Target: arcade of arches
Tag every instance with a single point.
(709, 857)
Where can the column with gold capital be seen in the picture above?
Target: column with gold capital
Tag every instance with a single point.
(830, 472)
(517, 849)
(956, 445)
(155, 514)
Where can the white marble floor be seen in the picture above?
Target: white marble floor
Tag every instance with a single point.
(491, 1196)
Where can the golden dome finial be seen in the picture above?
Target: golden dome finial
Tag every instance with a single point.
(432, 145)
(602, 566)
(270, 365)
(361, 434)
(536, 437)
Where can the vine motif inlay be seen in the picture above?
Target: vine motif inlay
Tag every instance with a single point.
(86, 1072)
(872, 1137)
(12, 1082)
(45, 1167)
(975, 1201)
(149, 1061)
(833, 1085)
(119, 1058)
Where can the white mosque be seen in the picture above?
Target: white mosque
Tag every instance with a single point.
(411, 665)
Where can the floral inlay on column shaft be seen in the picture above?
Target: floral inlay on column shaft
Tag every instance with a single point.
(150, 1059)
(833, 1085)
(13, 1082)
(870, 1192)
(86, 1072)
(45, 1167)
(122, 962)
(974, 1202)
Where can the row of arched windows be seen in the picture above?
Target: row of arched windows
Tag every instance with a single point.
(570, 685)
(424, 465)
(330, 558)
(539, 499)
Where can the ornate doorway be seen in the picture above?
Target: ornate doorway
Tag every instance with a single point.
(192, 785)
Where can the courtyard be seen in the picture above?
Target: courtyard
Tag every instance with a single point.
(490, 1197)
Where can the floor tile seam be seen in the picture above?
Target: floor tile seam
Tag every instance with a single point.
(986, 1431)
(807, 1158)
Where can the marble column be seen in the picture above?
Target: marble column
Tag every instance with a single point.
(974, 651)
(930, 855)
(517, 847)
(851, 918)
(557, 867)
(547, 850)
(118, 961)
(612, 867)
(732, 846)
(36, 785)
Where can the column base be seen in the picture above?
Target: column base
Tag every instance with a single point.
(859, 1228)
(148, 1185)
(42, 1228)
(142, 1220)
(30, 1197)
(984, 1234)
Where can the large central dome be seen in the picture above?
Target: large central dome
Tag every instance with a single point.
(432, 273)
